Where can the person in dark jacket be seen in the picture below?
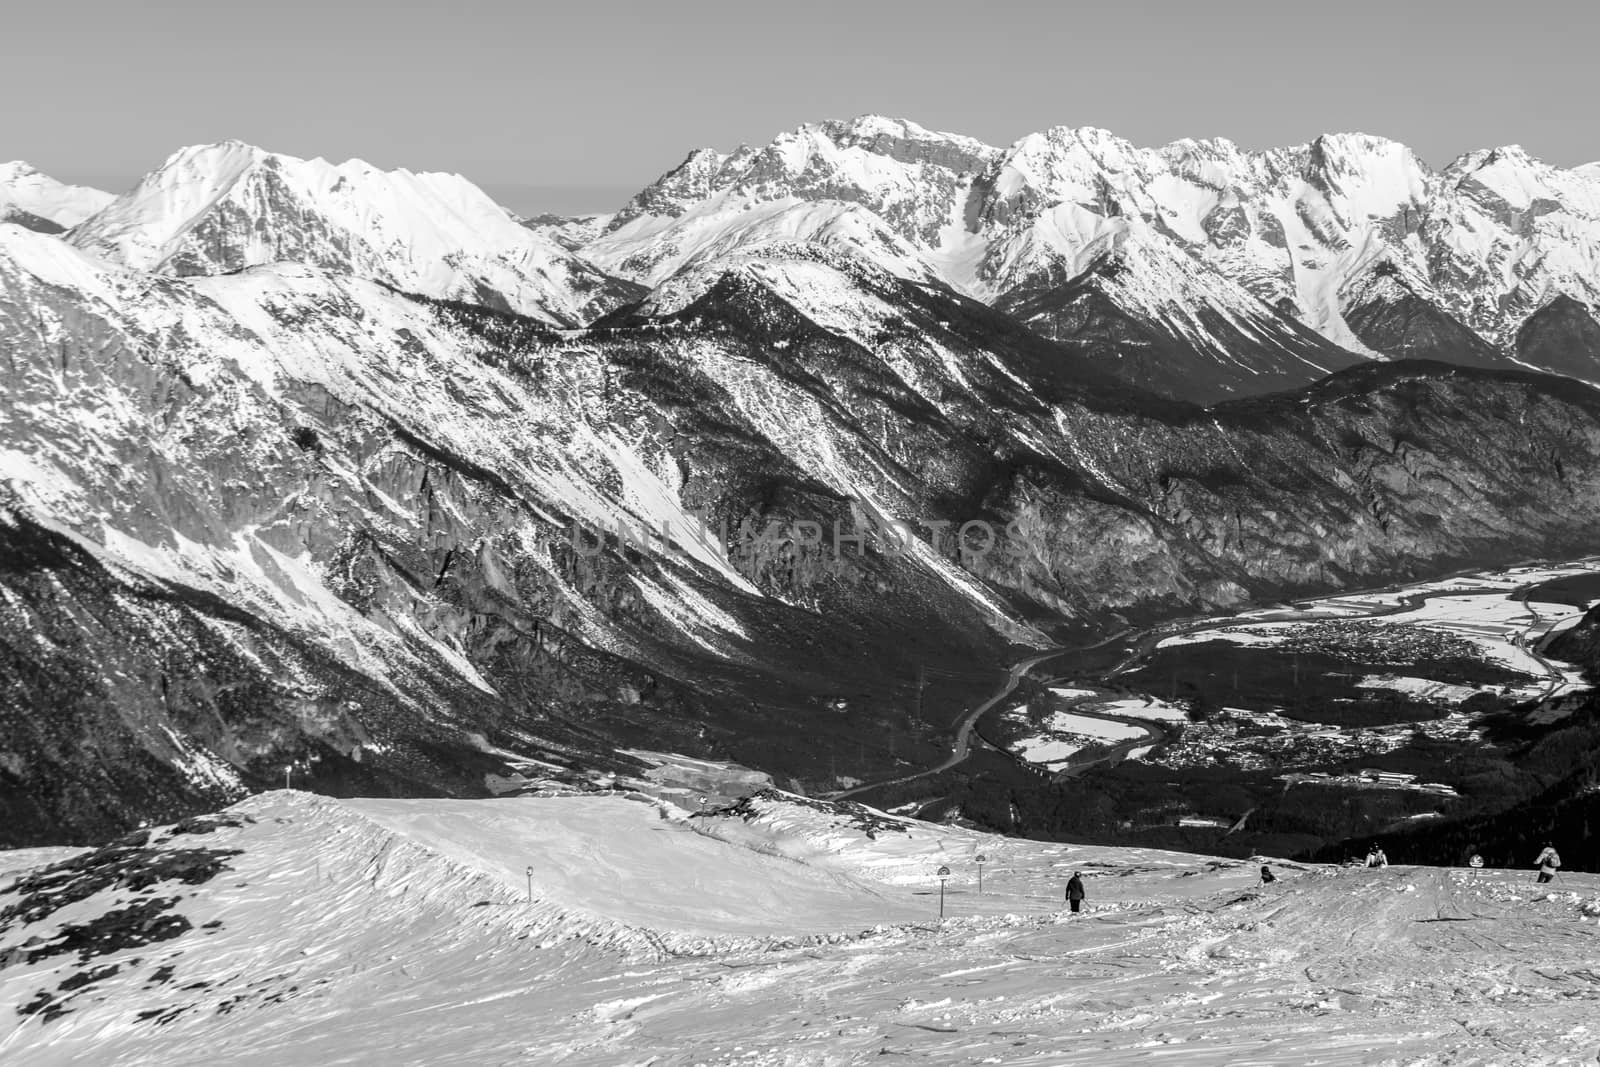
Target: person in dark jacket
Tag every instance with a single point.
(1075, 892)
(1267, 877)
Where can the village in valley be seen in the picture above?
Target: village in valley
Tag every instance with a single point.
(1367, 677)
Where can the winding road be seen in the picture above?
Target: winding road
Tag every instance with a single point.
(1144, 642)
(964, 729)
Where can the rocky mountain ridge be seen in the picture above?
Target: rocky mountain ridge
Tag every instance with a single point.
(1272, 238)
(288, 517)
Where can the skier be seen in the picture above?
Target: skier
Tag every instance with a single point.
(1267, 877)
(1075, 893)
(1549, 862)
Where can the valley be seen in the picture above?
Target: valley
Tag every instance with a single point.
(1381, 708)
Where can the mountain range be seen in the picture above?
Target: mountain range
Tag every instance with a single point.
(1241, 271)
(353, 478)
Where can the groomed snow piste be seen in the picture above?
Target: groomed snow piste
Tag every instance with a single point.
(292, 928)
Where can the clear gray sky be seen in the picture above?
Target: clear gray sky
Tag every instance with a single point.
(574, 105)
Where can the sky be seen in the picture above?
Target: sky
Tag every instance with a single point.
(573, 106)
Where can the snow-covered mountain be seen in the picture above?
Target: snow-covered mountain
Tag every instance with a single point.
(291, 516)
(611, 929)
(1197, 269)
(217, 208)
(308, 465)
(1262, 239)
(39, 202)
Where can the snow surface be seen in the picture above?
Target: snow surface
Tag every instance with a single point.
(1143, 708)
(1087, 726)
(23, 189)
(1054, 740)
(382, 931)
(1425, 688)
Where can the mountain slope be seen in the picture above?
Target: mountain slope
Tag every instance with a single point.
(39, 202)
(1151, 317)
(1390, 316)
(290, 517)
(1562, 337)
(603, 930)
(212, 209)
(396, 525)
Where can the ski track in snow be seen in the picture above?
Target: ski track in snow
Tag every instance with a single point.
(402, 931)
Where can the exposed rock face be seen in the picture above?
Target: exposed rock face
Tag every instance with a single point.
(284, 516)
(1391, 316)
(1562, 337)
(1202, 351)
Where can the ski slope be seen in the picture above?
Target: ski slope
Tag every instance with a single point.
(778, 932)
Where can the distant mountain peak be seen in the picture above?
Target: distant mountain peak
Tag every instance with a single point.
(1487, 240)
(31, 198)
(220, 207)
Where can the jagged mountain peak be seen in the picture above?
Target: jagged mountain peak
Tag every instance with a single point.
(1086, 136)
(221, 207)
(16, 169)
(1488, 240)
(1191, 151)
(1510, 177)
(1063, 152)
(234, 156)
(145, 225)
(1504, 155)
(671, 194)
(877, 129)
(1353, 143)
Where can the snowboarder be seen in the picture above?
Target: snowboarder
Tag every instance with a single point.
(1372, 856)
(1383, 860)
(1549, 863)
(1267, 877)
(1075, 893)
